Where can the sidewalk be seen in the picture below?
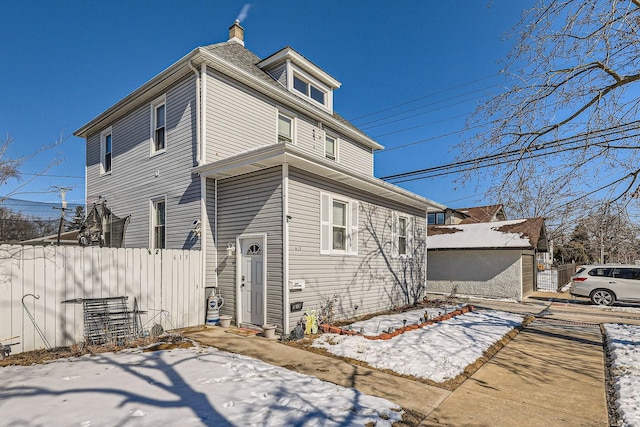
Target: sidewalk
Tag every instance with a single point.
(549, 374)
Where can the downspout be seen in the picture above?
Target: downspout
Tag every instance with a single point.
(285, 247)
(198, 121)
(203, 188)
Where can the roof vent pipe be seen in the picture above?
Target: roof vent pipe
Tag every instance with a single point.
(236, 33)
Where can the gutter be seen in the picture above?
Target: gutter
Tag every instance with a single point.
(197, 56)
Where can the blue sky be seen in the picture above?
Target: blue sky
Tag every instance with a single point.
(64, 62)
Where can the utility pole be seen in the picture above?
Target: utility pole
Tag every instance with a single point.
(63, 199)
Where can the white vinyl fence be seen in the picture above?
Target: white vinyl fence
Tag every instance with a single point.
(34, 280)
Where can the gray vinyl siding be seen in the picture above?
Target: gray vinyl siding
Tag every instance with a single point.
(279, 73)
(133, 181)
(354, 156)
(361, 280)
(209, 234)
(237, 119)
(247, 204)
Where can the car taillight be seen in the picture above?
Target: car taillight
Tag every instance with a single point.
(579, 279)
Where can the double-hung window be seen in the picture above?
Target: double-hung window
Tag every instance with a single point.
(285, 128)
(338, 225)
(158, 224)
(402, 235)
(330, 147)
(106, 148)
(158, 125)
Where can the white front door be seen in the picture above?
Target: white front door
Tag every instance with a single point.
(252, 281)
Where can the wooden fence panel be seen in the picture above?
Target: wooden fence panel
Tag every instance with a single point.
(165, 283)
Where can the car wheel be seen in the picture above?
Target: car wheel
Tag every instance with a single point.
(602, 297)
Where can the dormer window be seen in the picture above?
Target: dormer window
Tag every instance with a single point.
(309, 90)
(301, 77)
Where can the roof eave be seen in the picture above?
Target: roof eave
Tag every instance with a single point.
(164, 79)
(181, 67)
(277, 154)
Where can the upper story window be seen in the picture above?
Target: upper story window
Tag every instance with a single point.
(158, 221)
(158, 125)
(436, 218)
(309, 89)
(330, 147)
(285, 128)
(106, 147)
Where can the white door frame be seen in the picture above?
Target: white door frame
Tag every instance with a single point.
(239, 238)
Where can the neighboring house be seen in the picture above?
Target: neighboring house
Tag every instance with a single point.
(491, 259)
(245, 160)
(471, 215)
(67, 238)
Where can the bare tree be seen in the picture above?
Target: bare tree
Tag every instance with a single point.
(403, 253)
(10, 166)
(603, 236)
(568, 110)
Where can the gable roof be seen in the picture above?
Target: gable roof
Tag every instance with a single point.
(238, 63)
(519, 233)
(478, 214)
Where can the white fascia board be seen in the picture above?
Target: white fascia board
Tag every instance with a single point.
(286, 98)
(277, 154)
(173, 73)
(145, 93)
(302, 62)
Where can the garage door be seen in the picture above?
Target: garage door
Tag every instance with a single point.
(528, 274)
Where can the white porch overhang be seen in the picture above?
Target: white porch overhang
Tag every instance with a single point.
(278, 154)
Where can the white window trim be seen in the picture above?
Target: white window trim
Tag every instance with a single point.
(291, 117)
(326, 225)
(161, 100)
(328, 93)
(103, 147)
(336, 146)
(395, 237)
(152, 221)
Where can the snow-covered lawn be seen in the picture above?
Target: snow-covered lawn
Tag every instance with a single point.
(437, 352)
(624, 343)
(182, 387)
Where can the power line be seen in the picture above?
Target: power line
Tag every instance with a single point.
(509, 156)
(424, 97)
(367, 125)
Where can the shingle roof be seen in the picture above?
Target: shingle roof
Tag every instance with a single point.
(520, 233)
(478, 214)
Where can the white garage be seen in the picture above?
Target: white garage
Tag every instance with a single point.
(491, 259)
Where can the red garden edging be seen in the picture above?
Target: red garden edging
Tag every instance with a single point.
(387, 336)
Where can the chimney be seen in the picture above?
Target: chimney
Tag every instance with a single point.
(236, 33)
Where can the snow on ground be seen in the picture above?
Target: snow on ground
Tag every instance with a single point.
(624, 344)
(436, 352)
(376, 325)
(185, 387)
